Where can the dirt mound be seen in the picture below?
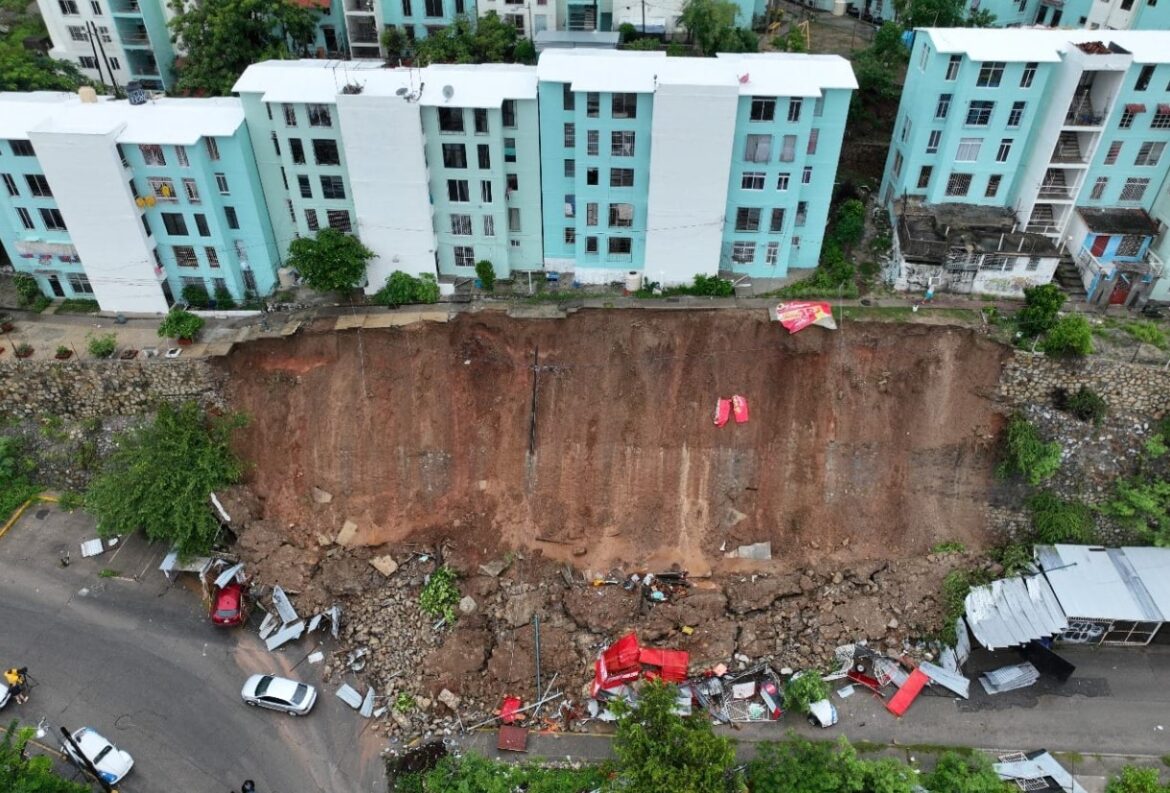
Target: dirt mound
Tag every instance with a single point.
(866, 443)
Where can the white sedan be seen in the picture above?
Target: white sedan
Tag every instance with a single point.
(112, 763)
(279, 693)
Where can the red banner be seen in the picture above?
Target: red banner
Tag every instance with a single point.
(798, 316)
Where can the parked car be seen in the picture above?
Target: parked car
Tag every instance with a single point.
(279, 693)
(112, 763)
(227, 605)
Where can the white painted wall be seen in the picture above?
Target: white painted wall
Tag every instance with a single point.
(102, 219)
(691, 138)
(1047, 126)
(382, 136)
(65, 48)
(531, 10)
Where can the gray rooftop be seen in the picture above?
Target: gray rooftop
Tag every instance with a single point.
(1092, 582)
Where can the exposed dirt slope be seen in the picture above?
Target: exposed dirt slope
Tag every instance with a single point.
(871, 442)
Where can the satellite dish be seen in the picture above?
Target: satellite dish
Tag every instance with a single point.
(448, 92)
(401, 91)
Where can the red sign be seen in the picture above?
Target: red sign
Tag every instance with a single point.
(799, 315)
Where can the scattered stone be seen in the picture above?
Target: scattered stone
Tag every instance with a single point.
(467, 605)
(321, 496)
(494, 567)
(385, 565)
(449, 699)
(324, 540)
(348, 534)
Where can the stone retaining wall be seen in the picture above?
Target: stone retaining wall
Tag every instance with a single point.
(84, 389)
(1128, 388)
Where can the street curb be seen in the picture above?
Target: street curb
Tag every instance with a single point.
(21, 509)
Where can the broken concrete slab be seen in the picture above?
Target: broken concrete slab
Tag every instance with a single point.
(449, 699)
(285, 635)
(754, 594)
(324, 540)
(349, 696)
(321, 496)
(268, 625)
(494, 567)
(283, 606)
(385, 565)
(348, 534)
(367, 708)
(759, 551)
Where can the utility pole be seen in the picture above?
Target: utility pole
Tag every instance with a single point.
(93, 33)
(85, 764)
(643, 17)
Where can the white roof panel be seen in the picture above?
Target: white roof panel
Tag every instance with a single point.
(21, 111)
(479, 85)
(1044, 44)
(1092, 582)
(307, 80)
(163, 121)
(788, 73)
(1152, 566)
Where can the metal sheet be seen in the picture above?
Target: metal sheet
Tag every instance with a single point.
(286, 634)
(1090, 583)
(269, 624)
(1038, 766)
(1013, 611)
(367, 708)
(952, 681)
(314, 622)
(349, 696)
(226, 576)
(283, 607)
(92, 547)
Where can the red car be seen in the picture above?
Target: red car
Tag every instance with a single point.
(227, 606)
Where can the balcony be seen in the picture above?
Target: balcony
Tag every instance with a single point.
(125, 8)
(1056, 187)
(1081, 112)
(359, 6)
(135, 37)
(362, 30)
(1149, 267)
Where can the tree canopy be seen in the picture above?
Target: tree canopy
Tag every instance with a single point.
(712, 25)
(22, 69)
(487, 39)
(963, 773)
(223, 37)
(800, 766)
(20, 774)
(330, 262)
(939, 14)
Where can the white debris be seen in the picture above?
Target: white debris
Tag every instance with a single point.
(349, 696)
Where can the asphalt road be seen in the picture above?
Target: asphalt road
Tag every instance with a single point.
(136, 659)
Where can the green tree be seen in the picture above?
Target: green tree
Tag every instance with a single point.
(486, 273)
(24, 774)
(487, 39)
(332, 261)
(804, 689)
(395, 44)
(403, 289)
(160, 477)
(15, 469)
(792, 41)
(1136, 780)
(876, 68)
(711, 24)
(223, 37)
(800, 766)
(930, 13)
(626, 33)
(964, 773)
(658, 750)
(1070, 336)
(525, 52)
(849, 224)
(1041, 307)
(23, 70)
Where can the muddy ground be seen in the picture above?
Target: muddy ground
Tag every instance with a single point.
(866, 448)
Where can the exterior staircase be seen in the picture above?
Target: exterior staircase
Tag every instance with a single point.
(1069, 278)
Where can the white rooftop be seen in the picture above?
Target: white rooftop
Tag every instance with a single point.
(163, 121)
(769, 74)
(1044, 44)
(1092, 582)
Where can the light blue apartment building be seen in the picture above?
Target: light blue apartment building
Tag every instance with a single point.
(1088, 14)
(366, 19)
(127, 204)
(1042, 135)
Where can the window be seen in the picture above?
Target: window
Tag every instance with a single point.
(968, 149)
(509, 150)
(175, 224)
(772, 253)
(570, 135)
(924, 176)
(406, 12)
(743, 252)
(814, 136)
(591, 214)
(806, 175)
(570, 206)
(464, 256)
(801, 212)
(513, 219)
(489, 226)
(433, 8)
(1130, 245)
(95, 7)
(776, 224)
(747, 219)
(794, 106)
(1029, 74)
(592, 142)
(115, 64)
(782, 181)
(480, 119)
(621, 143)
(567, 97)
(332, 187)
(621, 245)
(591, 244)
(242, 255)
(1033, 264)
(276, 144)
(338, 219)
(181, 156)
(201, 225)
(621, 177)
(570, 169)
(68, 7)
(87, 62)
(306, 186)
(979, 113)
(485, 191)
(1149, 153)
(461, 225)
(222, 183)
(454, 155)
(1016, 114)
(450, 119)
(943, 107)
(621, 215)
(990, 73)
(1127, 116)
(508, 113)
(758, 149)
(1099, 188)
(953, 66)
(458, 191)
(570, 236)
(992, 185)
(906, 126)
(212, 148)
(958, 184)
(1113, 153)
(1133, 190)
(38, 185)
(624, 106)
(290, 115)
(1143, 78)
(26, 219)
(325, 152)
(104, 34)
(818, 107)
(311, 220)
(319, 115)
(788, 148)
(185, 257)
(10, 183)
(592, 104)
(933, 140)
(229, 214)
(591, 176)
(297, 149)
(1004, 151)
(152, 154)
(513, 181)
(763, 108)
(752, 180)
(163, 189)
(484, 153)
(21, 148)
(1161, 119)
(79, 284)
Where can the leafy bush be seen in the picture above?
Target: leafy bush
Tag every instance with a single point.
(1143, 505)
(712, 286)
(1071, 335)
(28, 291)
(15, 469)
(1147, 332)
(486, 273)
(955, 587)
(474, 772)
(1086, 404)
(804, 689)
(1136, 780)
(404, 702)
(849, 223)
(823, 766)
(1055, 520)
(102, 346)
(440, 595)
(1041, 305)
(1015, 558)
(626, 32)
(833, 277)
(403, 289)
(180, 324)
(1026, 454)
(963, 773)
(223, 299)
(196, 295)
(332, 261)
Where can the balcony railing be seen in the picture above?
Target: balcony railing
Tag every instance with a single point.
(1058, 192)
(1082, 114)
(1151, 264)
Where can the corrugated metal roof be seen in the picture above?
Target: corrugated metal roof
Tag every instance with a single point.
(1039, 766)
(1153, 567)
(1014, 611)
(1092, 582)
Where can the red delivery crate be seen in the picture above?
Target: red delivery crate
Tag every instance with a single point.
(906, 695)
(622, 654)
(672, 664)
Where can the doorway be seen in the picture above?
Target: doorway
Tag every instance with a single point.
(55, 286)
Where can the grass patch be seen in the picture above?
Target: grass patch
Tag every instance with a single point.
(108, 573)
(1166, 760)
(948, 547)
(1147, 333)
(73, 305)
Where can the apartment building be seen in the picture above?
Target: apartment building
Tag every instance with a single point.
(659, 17)
(128, 203)
(1088, 14)
(677, 166)
(1015, 148)
(366, 19)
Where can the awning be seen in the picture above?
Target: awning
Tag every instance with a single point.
(1164, 110)
(1135, 108)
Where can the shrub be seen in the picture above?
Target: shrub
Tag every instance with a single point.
(486, 273)
(963, 773)
(439, 594)
(15, 468)
(27, 289)
(102, 346)
(1071, 335)
(180, 324)
(224, 299)
(1136, 780)
(1055, 520)
(1147, 333)
(1144, 506)
(803, 689)
(1087, 405)
(849, 223)
(196, 295)
(402, 289)
(955, 587)
(1041, 305)
(332, 261)
(712, 286)
(1026, 454)
(626, 31)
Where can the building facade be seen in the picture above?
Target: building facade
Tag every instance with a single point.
(662, 18)
(1069, 14)
(128, 204)
(1063, 129)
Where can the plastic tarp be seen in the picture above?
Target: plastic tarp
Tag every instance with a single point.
(672, 664)
(739, 409)
(901, 702)
(722, 411)
(622, 655)
(799, 315)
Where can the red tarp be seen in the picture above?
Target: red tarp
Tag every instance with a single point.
(672, 664)
(722, 412)
(739, 408)
(900, 702)
(508, 709)
(622, 654)
(799, 315)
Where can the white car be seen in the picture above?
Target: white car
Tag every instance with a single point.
(112, 763)
(279, 693)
